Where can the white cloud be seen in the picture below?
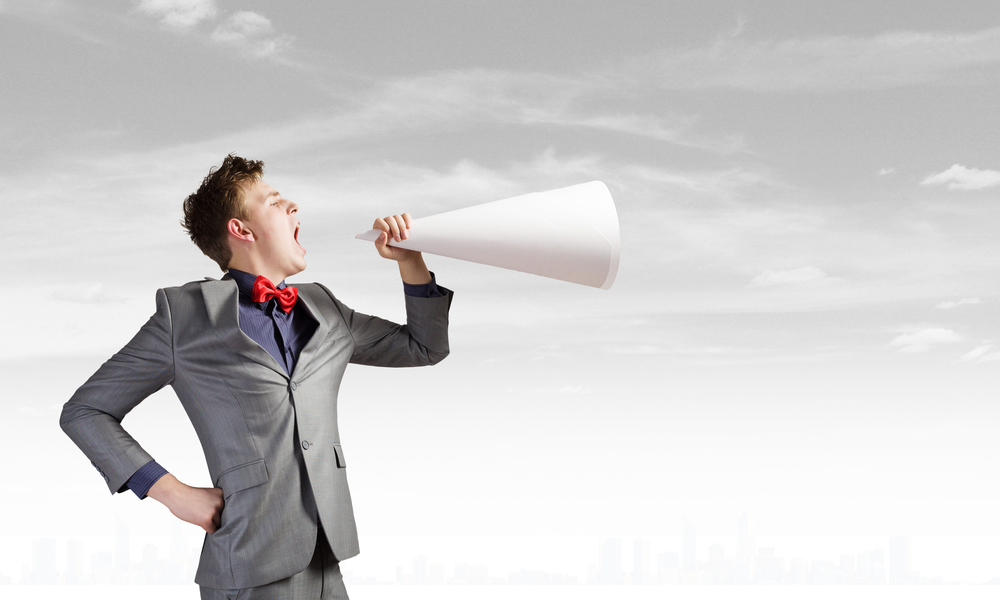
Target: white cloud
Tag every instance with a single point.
(675, 131)
(827, 63)
(84, 294)
(922, 340)
(887, 171)
(800, 276)
(451, 100)
(959, 177)
(179, 14)
(251, 31)
(954, 303)
(977, 353)
(522, 98)
(637, 349)
(567, 389)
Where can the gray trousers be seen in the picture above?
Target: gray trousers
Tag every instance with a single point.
(321, 580)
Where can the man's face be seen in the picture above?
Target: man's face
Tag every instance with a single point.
(275, 225)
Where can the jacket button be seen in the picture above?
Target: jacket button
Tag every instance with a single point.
(305, 445)
(293, 386)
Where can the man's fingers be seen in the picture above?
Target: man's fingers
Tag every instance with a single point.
(220, 504)
(385, 225)
(400, 227)
(393, 227)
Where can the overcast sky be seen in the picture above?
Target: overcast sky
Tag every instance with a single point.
(804, 324)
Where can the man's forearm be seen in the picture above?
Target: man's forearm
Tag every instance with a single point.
(413, 270)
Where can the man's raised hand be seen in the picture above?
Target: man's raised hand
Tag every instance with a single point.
(411, 263)
(394, 227)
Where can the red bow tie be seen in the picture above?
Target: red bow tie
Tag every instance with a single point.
(264, 290)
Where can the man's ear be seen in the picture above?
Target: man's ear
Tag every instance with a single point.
(239, 230)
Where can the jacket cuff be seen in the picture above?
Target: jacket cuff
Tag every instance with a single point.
(423, 290)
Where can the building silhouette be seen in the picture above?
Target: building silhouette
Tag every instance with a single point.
(689, 558)
(745, 551)
(900, 571)
(609, 562)
(640, 562)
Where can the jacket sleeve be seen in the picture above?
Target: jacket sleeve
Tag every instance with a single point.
(92, 417)
(422, 341)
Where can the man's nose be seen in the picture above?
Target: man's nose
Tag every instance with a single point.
(292, 207)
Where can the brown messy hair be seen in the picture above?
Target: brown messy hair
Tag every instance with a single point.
(220, 198)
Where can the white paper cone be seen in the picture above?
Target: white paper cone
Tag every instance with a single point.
(570, 234)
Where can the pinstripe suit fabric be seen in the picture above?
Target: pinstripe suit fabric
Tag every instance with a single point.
(271, 440)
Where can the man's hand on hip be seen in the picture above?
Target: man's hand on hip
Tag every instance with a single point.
(198, 506)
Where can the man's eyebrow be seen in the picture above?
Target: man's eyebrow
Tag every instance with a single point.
(272, 193)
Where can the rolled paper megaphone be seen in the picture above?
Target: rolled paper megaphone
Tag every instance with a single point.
(570, 234)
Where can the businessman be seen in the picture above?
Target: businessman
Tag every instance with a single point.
(256, 365)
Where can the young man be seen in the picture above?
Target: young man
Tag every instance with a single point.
(257, 366)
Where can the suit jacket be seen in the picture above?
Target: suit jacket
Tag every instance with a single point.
(271, 440)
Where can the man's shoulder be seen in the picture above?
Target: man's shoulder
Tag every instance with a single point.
(197, 287)
(196, 290)
(315, 291)
(314, 286)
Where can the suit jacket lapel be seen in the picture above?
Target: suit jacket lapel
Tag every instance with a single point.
(311, 303)
(222, 303)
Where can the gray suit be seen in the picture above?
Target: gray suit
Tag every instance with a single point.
(271, 441)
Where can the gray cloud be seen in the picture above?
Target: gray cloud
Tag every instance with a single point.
(252, 32)
(179, 14)
(801, 276)
(827, 63)
(42, 7)
(452, 99)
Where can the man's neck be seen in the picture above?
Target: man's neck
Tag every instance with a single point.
(273, 275)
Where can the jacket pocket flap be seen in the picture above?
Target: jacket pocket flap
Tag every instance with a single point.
(340, 456)
(242, 477)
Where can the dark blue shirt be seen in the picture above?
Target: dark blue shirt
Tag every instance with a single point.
(282, 334)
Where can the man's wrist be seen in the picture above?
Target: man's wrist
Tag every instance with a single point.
(165, 489)
(413, 271)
